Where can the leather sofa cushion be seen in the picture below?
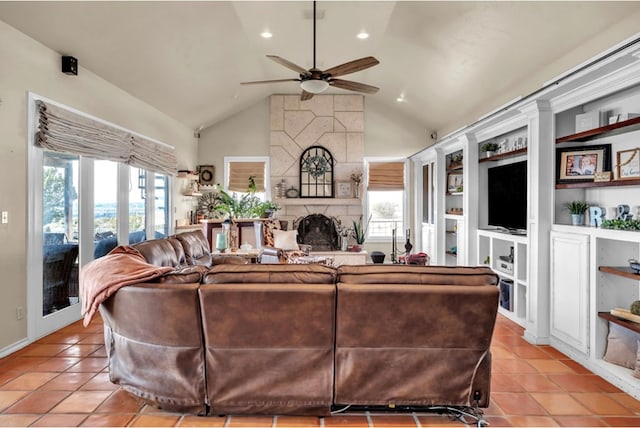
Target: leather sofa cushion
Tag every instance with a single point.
(270, 273)
(196, 248)
(403, 274)
(234, 260)
(159, 252)
(187, 275)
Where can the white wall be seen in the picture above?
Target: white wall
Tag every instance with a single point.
(244, 134)
(26, 65)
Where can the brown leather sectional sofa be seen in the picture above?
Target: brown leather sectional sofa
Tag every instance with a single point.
(302, 339)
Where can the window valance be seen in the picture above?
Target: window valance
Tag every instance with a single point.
(386, 176)
(64, 131)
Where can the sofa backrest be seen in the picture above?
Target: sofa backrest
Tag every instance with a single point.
(196, 248)
(403, 274)
(270, 273)
(269, 338)
(428, 325)
(161, 252)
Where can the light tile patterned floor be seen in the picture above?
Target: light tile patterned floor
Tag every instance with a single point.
(62, 380)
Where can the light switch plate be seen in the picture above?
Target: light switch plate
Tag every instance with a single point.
(5, 217)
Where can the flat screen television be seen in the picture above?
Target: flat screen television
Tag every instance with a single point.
(508, 196)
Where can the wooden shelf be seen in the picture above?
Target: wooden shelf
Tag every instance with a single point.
(624, 323)
(603, 131)
(585, 184)
(504, 155)
(623, 271)
(190, 176)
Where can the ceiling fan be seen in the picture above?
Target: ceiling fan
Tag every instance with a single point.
(315, 81)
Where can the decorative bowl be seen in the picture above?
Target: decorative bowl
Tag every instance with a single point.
(377, 256)
(635, 266)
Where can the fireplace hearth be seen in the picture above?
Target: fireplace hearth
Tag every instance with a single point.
(319, 231)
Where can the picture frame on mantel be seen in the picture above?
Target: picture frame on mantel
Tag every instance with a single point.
(343, 189)
(628, 164)
(580, 164)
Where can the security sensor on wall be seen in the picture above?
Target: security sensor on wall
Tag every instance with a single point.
(69, 65)
(434, 135)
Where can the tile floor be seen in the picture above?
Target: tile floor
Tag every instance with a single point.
(62, 380)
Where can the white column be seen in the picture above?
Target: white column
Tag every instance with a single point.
(540, 188)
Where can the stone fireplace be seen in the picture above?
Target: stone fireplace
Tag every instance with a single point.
(335, 122)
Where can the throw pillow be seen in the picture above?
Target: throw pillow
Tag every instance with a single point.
(285, 239)
(622, 346)
(636, 370)
(268, 228)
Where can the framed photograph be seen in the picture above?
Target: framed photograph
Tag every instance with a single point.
(628, 164)
(454, 182)
(343, 189)
(206, 174)
(577, 164)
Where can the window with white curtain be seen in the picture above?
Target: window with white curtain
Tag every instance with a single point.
(97, 186)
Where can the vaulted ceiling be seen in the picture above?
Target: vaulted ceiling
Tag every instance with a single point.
(449, 62)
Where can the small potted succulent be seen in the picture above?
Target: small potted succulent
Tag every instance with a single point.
(489, 149)
(577, 210)
(359, 234)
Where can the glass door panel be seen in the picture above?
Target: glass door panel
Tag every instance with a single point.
(137, 204)
(161, 206)
(60, 232)
(105, 208)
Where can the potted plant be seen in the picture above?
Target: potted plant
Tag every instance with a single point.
(246, 206)
(266, 209)
(359, 233)
(489, 149)
(577, 210)
(455, 161)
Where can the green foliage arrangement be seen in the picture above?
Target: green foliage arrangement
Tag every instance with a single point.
(635, 308)
(246, 206)
(489, 147)
(631, 224)
(577, 207)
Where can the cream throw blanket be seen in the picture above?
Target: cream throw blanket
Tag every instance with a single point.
(102, 277)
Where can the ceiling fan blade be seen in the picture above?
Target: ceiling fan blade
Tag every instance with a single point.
(352, 66)
(304, 96)
(353, 86)
(269, 81)
(288, 64)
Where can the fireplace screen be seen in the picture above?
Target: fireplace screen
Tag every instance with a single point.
(319, 231)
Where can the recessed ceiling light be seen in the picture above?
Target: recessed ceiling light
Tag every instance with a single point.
(266, 35)
(400, 99)
(363, 35)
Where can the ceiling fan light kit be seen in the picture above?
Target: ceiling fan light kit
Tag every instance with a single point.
(315, 81)
(314, 86)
